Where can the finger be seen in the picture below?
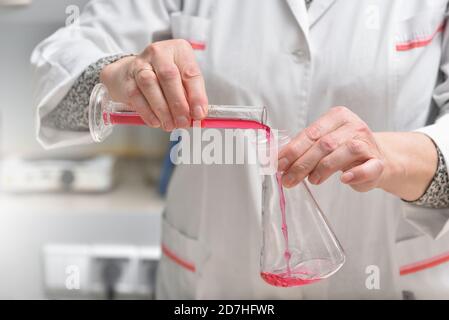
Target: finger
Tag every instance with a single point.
(333, 119)
(140, 105)
(147, 82)
(347, 154)
(169, 77)
(293, 150)
(193, 83)
(303, 166)
(364, 187)
(367, 172)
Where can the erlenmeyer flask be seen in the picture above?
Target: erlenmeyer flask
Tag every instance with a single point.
(299, 246)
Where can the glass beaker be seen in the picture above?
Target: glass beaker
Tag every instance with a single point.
(104, 114)
(299, 247)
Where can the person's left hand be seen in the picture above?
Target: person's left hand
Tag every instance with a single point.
(338, 141)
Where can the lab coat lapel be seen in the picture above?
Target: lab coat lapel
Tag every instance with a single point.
(299, 9)
(317, 9)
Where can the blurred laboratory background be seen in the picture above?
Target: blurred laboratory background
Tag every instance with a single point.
(80, 222)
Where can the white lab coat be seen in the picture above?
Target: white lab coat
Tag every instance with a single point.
(387, 60)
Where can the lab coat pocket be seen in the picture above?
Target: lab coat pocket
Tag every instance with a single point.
(416, 52)
(421, 30)
(181, 264)
(193, 29)
(424, 266)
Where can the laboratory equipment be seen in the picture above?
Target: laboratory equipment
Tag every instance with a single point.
(57, 174)
(104, 114)
(298, 247)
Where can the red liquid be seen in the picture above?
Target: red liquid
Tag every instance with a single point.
(134, 119)
(290, 278)
(284, 228)
(125, 118)
(286, 279)
(283, 280)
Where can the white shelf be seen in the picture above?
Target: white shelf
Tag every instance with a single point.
(132, 194)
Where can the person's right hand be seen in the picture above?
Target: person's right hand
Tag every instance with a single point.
(163, 84)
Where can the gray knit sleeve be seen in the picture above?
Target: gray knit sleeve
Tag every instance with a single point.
(72, 112)
(437, 194)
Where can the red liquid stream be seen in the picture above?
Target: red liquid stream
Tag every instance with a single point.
(286, 279)
(287, 254)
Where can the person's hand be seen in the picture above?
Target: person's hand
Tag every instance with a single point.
(338, 141)
(163, 84)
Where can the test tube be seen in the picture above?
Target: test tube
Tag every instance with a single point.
(105, 114)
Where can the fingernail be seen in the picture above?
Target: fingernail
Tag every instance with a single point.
(282, 164)
(182, 122)
(347, 177)
(288, 180)
(198, 112)
(314, 178)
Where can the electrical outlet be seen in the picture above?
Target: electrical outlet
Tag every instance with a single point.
(148, 258)
(83, 270)
(125, 257)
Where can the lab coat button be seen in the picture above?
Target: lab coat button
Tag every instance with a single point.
(298, 55)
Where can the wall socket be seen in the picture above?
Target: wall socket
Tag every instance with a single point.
(72, 271)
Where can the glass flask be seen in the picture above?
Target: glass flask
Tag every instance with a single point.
(299, 247)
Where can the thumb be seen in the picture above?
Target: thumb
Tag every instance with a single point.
(367, 172)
